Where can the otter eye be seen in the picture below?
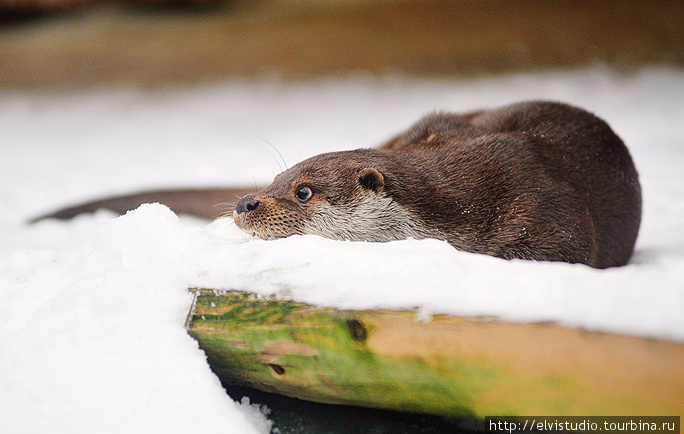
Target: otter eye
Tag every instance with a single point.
(303, 193)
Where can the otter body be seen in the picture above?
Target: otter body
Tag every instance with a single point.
(535, 180)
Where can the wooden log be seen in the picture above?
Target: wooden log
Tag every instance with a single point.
(445, 365)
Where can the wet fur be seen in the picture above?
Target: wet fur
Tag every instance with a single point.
(535, 180)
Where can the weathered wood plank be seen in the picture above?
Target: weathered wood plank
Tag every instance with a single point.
(448, 365)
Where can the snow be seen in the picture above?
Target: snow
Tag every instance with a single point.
(92, 310)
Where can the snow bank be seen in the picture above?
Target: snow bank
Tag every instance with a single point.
(93, 339)
(92, 310)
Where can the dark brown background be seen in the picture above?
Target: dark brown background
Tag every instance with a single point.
(44, 44)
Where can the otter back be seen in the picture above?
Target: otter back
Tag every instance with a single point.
(534, 180)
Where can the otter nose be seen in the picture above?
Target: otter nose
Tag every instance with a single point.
(246, 204)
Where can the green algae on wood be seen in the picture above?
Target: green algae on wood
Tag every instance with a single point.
(449, 365)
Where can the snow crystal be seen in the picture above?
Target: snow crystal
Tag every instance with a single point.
(92, 310)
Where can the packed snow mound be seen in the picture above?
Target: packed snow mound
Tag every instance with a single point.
(92, 310)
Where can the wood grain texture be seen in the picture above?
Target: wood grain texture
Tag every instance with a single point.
(446, 365)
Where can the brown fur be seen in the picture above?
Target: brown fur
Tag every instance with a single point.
(207, 203)
(535, 180)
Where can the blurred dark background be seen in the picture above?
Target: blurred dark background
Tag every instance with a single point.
(83, 43)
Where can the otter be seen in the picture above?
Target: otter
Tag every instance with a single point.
(206, 203)
(535, 180)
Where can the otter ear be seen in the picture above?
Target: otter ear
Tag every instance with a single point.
(371, 179)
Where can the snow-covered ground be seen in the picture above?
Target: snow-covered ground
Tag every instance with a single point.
(92, 310)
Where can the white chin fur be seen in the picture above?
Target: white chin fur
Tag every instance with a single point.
(375, 218)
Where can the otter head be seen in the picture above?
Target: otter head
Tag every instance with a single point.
(341, 195)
